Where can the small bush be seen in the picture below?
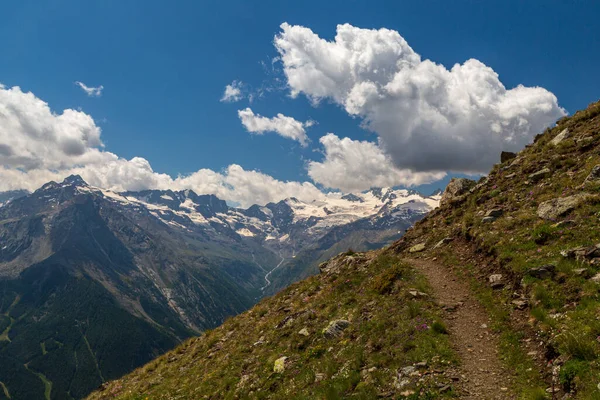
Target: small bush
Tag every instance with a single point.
(439, 327)
(569, 372)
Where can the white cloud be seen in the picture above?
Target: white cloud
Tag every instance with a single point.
(428, 118)
(284, 126)
(233, 92)
(32, 136)
(90, 91)
(353, 166)
(38, 145)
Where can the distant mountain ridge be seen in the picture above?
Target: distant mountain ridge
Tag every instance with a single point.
(94, 283)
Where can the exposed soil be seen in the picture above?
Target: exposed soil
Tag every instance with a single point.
(481, 373)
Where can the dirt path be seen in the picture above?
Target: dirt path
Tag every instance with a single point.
(482, 375)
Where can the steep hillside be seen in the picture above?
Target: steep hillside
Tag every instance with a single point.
(363, 326)
(528, 236)
(519, 249)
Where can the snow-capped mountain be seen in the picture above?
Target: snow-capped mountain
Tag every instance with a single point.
(159, 265)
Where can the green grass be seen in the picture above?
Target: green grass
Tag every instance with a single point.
(389, 330)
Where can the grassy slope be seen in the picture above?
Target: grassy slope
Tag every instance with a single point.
(563, 311)
(389, 330)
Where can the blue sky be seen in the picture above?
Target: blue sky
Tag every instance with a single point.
(164, 66)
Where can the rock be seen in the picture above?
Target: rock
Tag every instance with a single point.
(543, 272)
(279, 365)
(510, 176)
(421, 365)
(576, 252)
(487, 220)
(583, 272)
(442, 242)
(495, 212)
(564, 224)
(335, 328)
(304, 332)
(407, 371)
(594, 176)
(539, 175)
(564, 134)
(496, 281)
(319, 377)
(456, 188)
(417, 294)
(506, 156)
(417, 248)
(555, 208)
(519, 304)
(596, 278)
(445, 389)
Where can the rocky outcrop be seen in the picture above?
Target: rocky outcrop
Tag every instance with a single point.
(506, 156)
(552, 209)
(455, 189)
(335, 328)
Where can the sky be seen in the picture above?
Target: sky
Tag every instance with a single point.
(255, 101)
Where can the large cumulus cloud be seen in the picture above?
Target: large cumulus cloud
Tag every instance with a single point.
(428, 117)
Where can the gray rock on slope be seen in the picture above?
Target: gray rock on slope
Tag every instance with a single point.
(539, 175)
(552, 209)
(335, 328)
(456, 188)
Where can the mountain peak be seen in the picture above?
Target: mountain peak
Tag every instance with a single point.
(74, 180)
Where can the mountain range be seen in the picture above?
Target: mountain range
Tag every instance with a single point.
(94, 283)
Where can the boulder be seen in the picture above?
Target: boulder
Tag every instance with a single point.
(552, 209)
(539, 175)
(496, 281)
(543, 272)
(279, 365)
(335, 328)
(417, 248)
(564, 134)
(456, 188)
(506, 156)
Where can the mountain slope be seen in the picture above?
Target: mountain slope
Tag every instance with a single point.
(94, 283)
(525, 238)
(363, 327)
(90, 289)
